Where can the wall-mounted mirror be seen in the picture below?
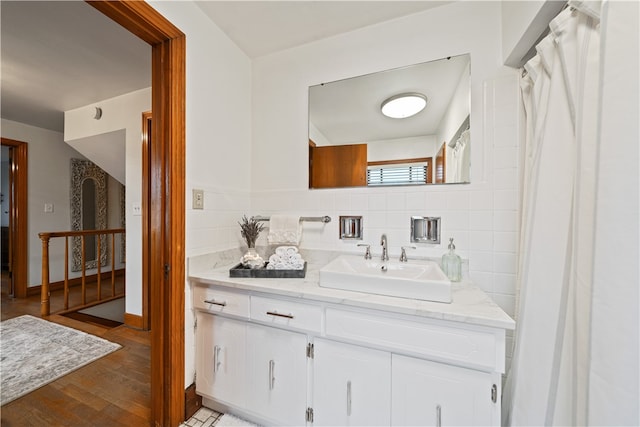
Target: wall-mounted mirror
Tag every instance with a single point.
(88, 212)
(353, 144)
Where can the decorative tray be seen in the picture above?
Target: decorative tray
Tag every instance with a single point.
(240, 271)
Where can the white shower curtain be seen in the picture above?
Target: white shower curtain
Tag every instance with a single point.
(549, 378)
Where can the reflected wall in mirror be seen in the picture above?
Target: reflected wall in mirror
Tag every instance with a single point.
(352, 144)
(88, 212)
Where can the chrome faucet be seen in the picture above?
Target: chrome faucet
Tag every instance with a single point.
(383, 242)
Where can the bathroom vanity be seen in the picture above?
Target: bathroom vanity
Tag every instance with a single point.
(289, 352)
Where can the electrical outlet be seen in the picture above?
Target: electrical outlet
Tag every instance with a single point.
(137, 209)
(198, 199)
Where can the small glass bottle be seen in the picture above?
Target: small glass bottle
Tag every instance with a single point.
(452, 263)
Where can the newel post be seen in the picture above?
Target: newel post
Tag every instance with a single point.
(44, 288)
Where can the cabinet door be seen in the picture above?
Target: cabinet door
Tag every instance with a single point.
(277, 374)
(220, 361)
(427, 393)
(352, 385)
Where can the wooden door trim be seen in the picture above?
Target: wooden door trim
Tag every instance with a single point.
(146, 219)
(167, 208)
(19, 216)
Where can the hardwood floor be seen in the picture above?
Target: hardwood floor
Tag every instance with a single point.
(112, 391)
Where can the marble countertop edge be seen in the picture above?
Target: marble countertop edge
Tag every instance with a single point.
(470, 305)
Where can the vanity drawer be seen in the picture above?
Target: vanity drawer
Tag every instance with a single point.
(471, 347)
(290, 314)
(215, 300)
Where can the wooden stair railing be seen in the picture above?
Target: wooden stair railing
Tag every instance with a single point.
(45, 306)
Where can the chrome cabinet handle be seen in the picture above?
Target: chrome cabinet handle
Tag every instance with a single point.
(214, 302)
(275, 313)
(348, 398)
(216, 358)
(438, 416)
(272, 378)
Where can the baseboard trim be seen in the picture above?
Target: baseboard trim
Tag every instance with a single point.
(192, 401)
(76, 281)
(133, 321)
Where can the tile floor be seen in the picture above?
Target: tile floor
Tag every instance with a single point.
(205, 417)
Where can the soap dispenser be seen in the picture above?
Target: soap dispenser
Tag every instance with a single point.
(452, 263)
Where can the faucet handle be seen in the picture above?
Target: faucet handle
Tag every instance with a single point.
(403, 253)
(367, 254)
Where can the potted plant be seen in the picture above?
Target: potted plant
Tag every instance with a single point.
(250, 230)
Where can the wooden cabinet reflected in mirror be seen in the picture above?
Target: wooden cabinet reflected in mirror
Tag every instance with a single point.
(337, 166)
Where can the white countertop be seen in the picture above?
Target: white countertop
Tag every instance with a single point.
(469, 303)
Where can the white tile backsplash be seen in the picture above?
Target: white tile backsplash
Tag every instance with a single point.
(481, 200)
(396, 201)
(435, 200)
(481, 220)
(504, 220)
(377, 202)
(506, 200)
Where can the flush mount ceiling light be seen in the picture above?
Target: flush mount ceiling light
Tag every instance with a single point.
(403, 105)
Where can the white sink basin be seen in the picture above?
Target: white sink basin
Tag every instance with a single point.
(423, 280)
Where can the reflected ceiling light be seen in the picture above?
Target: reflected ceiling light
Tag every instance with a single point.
(403, 105)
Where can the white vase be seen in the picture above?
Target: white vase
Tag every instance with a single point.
(252, 259)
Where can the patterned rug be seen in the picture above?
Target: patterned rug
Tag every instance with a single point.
(34, 352)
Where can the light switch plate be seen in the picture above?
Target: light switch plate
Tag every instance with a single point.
(48, 207)
(198, 199)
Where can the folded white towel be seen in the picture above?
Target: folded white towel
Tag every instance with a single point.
(286, 251)
(285, 262)
(284, 230)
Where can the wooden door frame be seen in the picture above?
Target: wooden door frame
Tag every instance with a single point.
(165, 235)
(19, 221)
(147, 131)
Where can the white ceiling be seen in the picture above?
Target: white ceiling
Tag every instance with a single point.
(348, 111)
(263, 27)
(61, 55)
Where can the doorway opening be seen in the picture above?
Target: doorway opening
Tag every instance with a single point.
(165, 233)
(14, 218)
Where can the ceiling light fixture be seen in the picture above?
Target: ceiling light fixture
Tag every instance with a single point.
(403, 105)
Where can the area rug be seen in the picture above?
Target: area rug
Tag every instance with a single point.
(34, 352)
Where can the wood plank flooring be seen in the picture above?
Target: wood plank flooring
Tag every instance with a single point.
(112, 391)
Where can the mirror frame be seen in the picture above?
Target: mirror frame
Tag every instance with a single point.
(81, 170)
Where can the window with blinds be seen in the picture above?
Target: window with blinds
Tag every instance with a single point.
(397, 175)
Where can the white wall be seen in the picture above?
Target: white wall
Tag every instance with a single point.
(248, 148)
(218, 134)
(49, 181)
(121, 126)
(458, 109)
(482, 216)
(402, 148)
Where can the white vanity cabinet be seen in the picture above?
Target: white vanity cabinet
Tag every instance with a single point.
(352, 385)
(277, 373)
(315, 361)
(221, 366)
(426, 393)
